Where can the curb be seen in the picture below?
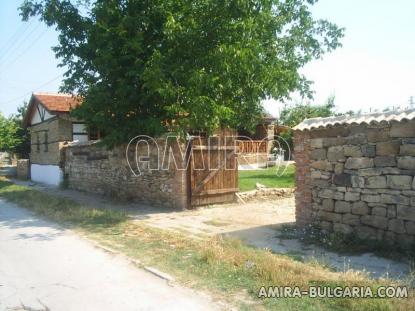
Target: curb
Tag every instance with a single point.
(136, 262)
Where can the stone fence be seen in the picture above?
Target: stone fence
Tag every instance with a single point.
(358, 179)
(94, 168)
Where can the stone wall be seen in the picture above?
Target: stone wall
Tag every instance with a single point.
(358, 179)
(23, 169)
(93, 168)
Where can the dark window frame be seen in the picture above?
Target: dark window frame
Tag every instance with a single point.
(37, 142)
(46, 142)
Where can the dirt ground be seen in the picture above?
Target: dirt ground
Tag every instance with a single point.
(256, 223)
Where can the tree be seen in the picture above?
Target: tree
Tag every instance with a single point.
(149, 66)
(9, 137)
(22, 149)
(295, 114)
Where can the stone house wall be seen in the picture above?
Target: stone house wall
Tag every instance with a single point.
(94, 168)
(358, 179)
(47, 139)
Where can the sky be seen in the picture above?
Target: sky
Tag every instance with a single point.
(374, 69)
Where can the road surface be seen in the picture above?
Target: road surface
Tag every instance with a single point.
(45, 267)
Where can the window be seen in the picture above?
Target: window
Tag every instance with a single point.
(46, 142)
(94, 134)
(79, 132)
(37, 142)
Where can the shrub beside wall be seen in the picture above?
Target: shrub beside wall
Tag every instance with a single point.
(358, 179)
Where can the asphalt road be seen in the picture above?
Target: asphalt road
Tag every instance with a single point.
(44, 267)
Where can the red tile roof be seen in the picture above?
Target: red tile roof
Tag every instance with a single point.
(57, 102)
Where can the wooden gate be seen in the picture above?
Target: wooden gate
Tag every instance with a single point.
(213, 171)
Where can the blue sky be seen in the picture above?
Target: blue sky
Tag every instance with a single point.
(374, 69)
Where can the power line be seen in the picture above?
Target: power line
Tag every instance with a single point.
(30, 92)
(6, 65)
(20, 43)
(11, 39)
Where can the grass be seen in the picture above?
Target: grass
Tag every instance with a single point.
(268, 177)
(227, 268)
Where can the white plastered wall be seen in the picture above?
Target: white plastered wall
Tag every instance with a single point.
(48, 174)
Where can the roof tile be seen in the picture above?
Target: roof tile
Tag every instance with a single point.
(58, 102)
(315, 123)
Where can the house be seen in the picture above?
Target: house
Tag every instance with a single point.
(51, 127)
(255, 148)
(355, 175)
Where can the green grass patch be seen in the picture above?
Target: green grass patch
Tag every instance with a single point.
(271, 177)
(227, 268)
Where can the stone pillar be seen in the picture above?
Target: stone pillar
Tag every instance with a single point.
(23, 169)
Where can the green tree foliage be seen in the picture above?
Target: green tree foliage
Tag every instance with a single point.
(148, 66)
(13, 137)
(22, 149)
(9, 134)
(293, 115)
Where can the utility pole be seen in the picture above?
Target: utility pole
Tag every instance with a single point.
(411, 102)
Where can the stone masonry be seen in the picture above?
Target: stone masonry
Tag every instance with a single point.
(358, 178)
(94, 168)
